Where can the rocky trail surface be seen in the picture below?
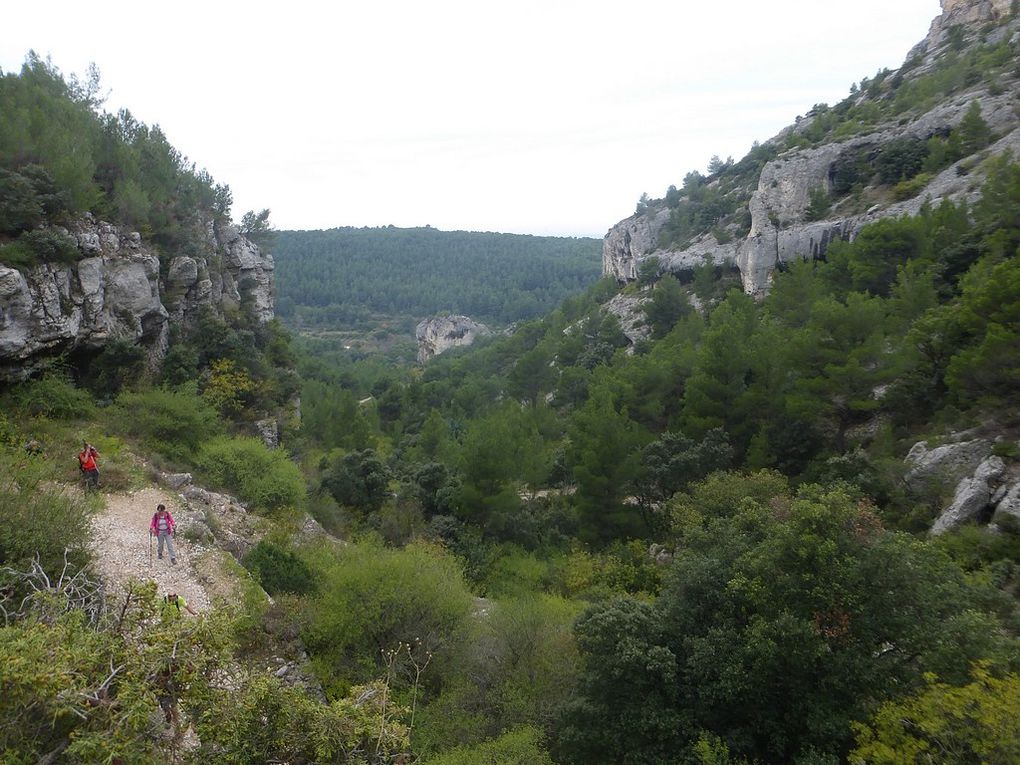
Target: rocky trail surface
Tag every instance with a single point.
(120, 541)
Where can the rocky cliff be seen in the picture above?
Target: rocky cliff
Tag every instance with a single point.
(771, 192)
(121, 288)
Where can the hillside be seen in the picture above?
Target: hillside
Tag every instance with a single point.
(920, 133)
(350, 277)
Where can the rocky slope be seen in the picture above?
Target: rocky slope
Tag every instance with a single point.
(122, 288)
(766, 221)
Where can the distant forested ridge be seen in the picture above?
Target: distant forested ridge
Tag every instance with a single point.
(342, 276)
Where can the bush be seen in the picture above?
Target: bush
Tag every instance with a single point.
(54, 395)
(35, 520)
(51, 246)
(910, 188)
(372, 599)
(279, 570)
(172, 422)
(520, 747)
(263, 477)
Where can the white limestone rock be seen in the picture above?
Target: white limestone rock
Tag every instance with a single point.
(116, 292)
(949, 462)
(441, 333)
(972, 496)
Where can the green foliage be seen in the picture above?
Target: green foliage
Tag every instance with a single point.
(267, 721)
(604, 445)
(264, 478)
(37, 519)
(778, 626)
(371, 599)
(988, 315)
(228, 388)
(901, 159)
(702, 206)
(120, 362)
(55, 396)
(977, 722)
(359, 480)
(345, 276)
(513, 667)
(63, 157)
(257, 228)
(89, 691)
(819, 204)
(279, 569)
(668, 305)
(174, 422)
(522, 746)
(877, 251)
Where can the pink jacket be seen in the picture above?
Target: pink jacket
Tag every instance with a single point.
(154, 526)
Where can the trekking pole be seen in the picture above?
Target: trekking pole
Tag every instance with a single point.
(150, 549)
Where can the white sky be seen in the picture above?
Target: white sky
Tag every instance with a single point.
(546, 117)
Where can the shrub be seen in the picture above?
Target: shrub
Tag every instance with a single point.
(54, 395)
(519, 747)
(819, 204)
(263, 477)
(372, 599)
(35, 520)
(50, 246)
(173, 422)
(279, 570)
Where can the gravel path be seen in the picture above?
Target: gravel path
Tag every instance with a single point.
(120, 541)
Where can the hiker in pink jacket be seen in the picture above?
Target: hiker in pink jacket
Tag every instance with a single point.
(162, 527)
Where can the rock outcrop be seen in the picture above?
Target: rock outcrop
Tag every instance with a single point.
(441, 333)
(972, 496)
(120, 289)
(777, 200)
(987, 486)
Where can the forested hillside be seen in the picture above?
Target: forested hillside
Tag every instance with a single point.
(62, 157)
(345, 277)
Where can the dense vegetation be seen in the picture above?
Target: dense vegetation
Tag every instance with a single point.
(62, 157)
(348, 277)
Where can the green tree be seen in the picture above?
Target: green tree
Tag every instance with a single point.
(778, 625)
(715, 393)
(359, 480)
(604, 451)
(668, 305)
(944, 724)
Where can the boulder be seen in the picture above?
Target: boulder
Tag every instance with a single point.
(948, 463)
(972, 497)
(441, 333)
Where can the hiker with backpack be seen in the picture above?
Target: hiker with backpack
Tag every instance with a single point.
(88, 466)
(162, 527)
(173, 604)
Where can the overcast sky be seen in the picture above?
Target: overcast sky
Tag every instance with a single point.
(541, 117)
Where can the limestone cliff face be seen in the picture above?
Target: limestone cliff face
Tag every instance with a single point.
(441, 333)
(777, 203)
(117, 290)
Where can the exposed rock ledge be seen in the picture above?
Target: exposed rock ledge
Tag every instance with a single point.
(779, 230)
(117, 291)
(987, 487)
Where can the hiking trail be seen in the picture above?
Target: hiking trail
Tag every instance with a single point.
(120, 544)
